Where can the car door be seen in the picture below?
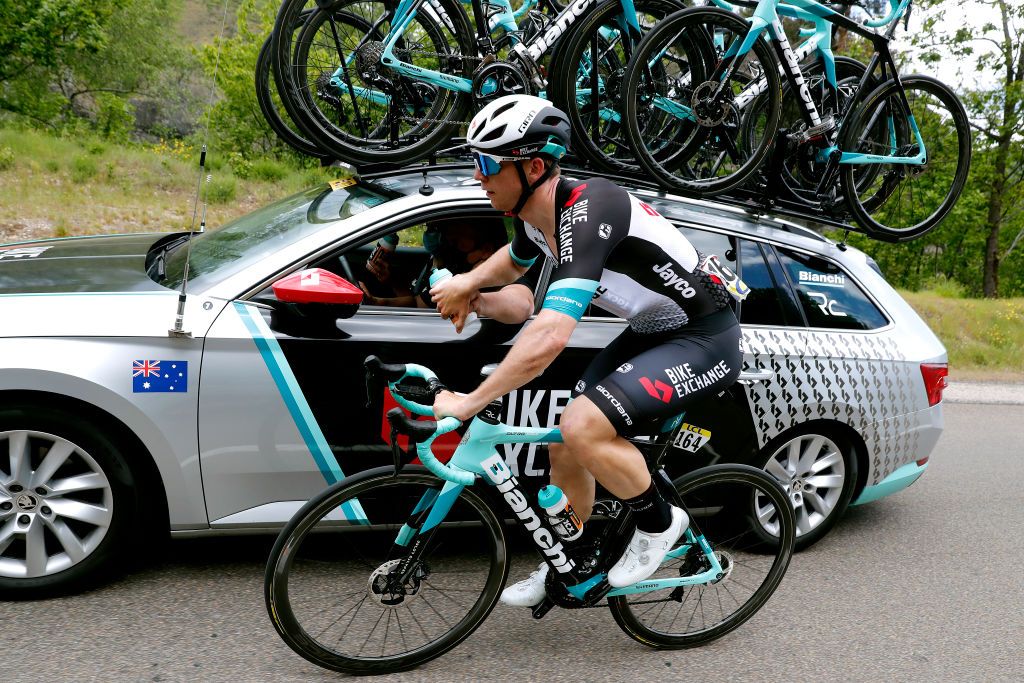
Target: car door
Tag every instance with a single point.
(284, 409)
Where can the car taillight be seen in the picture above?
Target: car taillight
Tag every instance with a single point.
(934, 380)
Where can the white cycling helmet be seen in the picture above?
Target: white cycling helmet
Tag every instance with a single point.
(520, 126)
(515, 128)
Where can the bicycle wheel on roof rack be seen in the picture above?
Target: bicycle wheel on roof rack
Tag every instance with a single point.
(363, 112)
(929, 136)
(272, 108)
(587, 76)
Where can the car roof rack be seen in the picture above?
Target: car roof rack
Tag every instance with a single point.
(787, 215)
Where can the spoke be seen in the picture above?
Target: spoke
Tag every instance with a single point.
(803, 521)
(55, 457)
(68, 540)
(81, 482)
(370, 634)
(18, 453)
(35, 549)
(817, 502)
(83, 512)
(810, 454)
(793, 457)
(833, 458)
(826, 481)
(775, 468)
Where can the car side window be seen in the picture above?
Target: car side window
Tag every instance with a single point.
(393, 270)
(764, 304)
(828, 296)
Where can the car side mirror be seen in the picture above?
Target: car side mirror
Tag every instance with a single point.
(318, 294)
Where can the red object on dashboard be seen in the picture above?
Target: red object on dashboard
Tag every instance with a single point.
(317, 286)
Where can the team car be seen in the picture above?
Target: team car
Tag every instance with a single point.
(169, 382)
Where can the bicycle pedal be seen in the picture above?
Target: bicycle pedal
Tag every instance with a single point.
(543, 608)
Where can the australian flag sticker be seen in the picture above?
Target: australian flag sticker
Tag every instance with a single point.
(151, 376)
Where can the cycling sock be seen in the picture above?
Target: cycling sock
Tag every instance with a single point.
(653, 515)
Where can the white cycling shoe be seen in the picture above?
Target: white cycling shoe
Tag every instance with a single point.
(528, 592)
(645, 552)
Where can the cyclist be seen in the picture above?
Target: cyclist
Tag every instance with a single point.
(682, 343)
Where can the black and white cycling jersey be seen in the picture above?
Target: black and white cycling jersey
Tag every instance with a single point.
(615, 250)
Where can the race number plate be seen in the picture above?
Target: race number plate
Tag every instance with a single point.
(691, 438)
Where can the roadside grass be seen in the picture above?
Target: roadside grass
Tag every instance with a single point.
(984, 337)
(58, 187)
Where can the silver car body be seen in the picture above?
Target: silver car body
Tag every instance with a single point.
(240, 451)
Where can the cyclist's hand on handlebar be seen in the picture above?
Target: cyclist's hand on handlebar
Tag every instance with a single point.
(448, 404)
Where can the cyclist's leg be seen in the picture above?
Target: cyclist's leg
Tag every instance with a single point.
(566, 471)
(677, 371)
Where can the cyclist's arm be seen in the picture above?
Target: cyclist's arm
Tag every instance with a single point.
(452, 296)
(512, 304)
(534, 350)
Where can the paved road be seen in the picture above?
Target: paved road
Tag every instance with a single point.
(923, 586)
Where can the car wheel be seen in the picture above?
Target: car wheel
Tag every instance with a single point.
(67, 502)
(818, 470)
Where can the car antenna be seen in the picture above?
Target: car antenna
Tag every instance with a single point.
(179, 320)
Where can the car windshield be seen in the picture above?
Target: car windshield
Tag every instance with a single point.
(224, 251)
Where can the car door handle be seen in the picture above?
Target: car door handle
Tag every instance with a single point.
(757, 374)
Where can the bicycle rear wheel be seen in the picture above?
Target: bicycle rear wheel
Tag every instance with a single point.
(747, 519)
(710, 147)
(904, 201)
(338, 600)
(271, 106)
(363, 111)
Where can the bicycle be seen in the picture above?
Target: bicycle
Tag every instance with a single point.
(367, 602)
(875, 152)
(401, 97)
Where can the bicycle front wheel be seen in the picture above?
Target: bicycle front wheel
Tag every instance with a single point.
(905, 200)
(351, 588)
(747, 520)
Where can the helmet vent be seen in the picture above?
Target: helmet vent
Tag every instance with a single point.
(494, 134)
(552, 120)
(502, 109)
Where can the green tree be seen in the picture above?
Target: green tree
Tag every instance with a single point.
(67, 61)
(996, 112)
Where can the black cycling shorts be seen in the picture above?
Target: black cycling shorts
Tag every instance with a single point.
(640, 380)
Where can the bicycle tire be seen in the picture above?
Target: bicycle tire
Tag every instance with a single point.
(378, 503)
(347, 121)
(601, 139)
(877, 208)
(265, 92)
(728, 504)
(709, 161)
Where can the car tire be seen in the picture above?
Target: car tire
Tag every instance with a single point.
(817, 466)
(68, 502)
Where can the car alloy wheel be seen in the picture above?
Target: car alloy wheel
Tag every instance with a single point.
(56, 504)
(818, 473)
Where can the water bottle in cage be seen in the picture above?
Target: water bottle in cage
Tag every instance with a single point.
(562, 518)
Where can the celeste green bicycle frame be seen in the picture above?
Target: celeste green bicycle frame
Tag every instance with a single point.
(766, 19)
(477, 457)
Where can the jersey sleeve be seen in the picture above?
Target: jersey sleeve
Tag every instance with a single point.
(592, 217)
(522, 249)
